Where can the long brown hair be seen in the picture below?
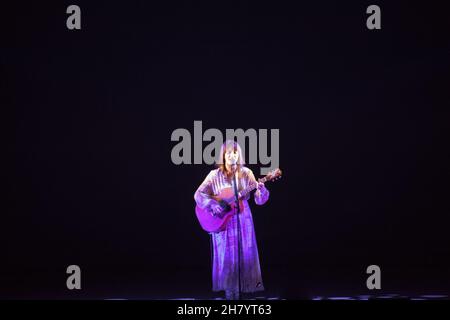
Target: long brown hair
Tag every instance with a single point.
(230, 144)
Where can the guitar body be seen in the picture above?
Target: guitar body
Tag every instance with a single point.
(219, 222)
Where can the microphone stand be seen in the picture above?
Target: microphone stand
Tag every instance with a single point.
(238, 211)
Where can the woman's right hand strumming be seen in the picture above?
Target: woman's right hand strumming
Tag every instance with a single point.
(215, 208)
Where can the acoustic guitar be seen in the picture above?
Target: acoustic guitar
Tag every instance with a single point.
(211, 222)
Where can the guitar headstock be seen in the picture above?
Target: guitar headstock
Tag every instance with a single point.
(273, 175)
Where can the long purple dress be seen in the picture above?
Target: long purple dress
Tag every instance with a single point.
(225, 245)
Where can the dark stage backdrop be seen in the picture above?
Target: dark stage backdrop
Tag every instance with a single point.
(363, 119)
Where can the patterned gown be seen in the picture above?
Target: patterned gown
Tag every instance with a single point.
(225, 245)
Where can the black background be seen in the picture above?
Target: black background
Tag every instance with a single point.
(363, 118)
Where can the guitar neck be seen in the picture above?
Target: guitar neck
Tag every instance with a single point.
(252, 186)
